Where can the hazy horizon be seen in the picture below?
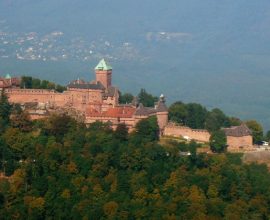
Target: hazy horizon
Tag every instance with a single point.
(213, 53)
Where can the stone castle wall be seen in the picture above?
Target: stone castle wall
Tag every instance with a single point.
(182, 131)
(30, 95)
(129, 122)
(79, 99)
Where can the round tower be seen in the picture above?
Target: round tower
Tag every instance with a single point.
(162, 113)
(104, 73)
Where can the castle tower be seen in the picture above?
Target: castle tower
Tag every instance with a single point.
(104, 73)
(162, 113)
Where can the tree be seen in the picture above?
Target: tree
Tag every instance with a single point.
(267, 136)
(197, 200)
(110, 209)
(44, 84)
(257, 131)
(59, 125)
(216, 119)
(100, 126)
(193, 150)
(26, 82)
(125, 98)
(196, 116)
(36, 83)
(60, 88)
(147, 99)
(121, 132)
(178, 113)
(218, 141)
(21, 119)
(29, 82)
(5, 110)
(235, 121)
(147, 129)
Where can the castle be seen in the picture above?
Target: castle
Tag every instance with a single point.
(98, 100)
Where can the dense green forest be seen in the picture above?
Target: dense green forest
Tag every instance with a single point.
(58, 168)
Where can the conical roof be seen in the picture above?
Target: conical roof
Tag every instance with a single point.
(103, 65)
(161, 107)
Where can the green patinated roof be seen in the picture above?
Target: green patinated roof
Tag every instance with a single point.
(103, 65)
(7, 76)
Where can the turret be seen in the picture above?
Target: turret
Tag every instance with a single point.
(104, 73)
(162, 113)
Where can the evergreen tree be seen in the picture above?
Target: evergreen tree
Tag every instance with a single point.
(29, 82)
(121, 132)
(257, 131)
(218, 141)
(147, 99)
(147, 129)
(5, 110)
(267, 136)
(215, 120)
(178, 113)
(125, 98)
(196, 116)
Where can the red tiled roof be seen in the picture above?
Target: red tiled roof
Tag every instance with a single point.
(116, 112)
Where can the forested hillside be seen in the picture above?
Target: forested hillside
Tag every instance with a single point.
(60, 169)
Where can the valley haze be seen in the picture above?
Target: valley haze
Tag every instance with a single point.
(212, 52)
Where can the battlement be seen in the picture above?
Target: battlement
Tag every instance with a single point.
(175, 125)
(29, 91)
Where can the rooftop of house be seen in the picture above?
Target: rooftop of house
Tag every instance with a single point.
(144, 111)
(238, 131)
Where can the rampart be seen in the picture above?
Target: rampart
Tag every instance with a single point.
(30, 95)
(175, 130)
